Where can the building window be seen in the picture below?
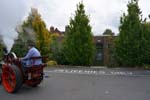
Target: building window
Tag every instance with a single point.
(99, 56)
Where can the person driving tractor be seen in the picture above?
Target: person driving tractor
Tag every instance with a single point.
(32, 52)
(27, 70)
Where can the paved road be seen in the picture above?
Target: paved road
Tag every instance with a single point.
(87, 84)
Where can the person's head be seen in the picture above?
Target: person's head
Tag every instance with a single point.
(30, 44)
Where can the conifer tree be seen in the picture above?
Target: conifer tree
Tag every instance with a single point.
(128, 45)
(146, 43)
(78, 44)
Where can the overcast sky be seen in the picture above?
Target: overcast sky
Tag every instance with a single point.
(103, 14)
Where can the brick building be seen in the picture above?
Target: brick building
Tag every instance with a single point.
(104, 45)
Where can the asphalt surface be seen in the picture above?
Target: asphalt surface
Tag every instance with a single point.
(87, 84)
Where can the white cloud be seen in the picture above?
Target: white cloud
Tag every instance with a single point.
(145, 8)
(103, 13)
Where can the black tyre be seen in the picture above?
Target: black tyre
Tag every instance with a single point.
(11, 78)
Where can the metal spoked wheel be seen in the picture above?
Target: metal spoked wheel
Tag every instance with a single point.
(11, 78)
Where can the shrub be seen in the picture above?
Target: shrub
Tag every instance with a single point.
(51, 63)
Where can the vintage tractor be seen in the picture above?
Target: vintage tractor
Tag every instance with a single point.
(14, 75)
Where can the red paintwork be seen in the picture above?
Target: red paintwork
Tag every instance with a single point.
(9, 79)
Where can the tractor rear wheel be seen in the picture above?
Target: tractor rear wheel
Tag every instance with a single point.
(11, 78)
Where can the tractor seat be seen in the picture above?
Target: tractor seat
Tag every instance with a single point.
(36, 71)
(34, 68)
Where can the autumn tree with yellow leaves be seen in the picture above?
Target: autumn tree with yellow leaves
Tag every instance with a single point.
(41, 35)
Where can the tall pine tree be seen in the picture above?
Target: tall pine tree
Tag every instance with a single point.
(146, 43)
(128, 44)
(78, 42)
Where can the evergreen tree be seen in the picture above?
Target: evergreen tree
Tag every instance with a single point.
(128, 45)
(146, 43)
(78, 42)
(108, 32)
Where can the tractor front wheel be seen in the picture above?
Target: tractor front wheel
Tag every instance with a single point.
(11, 78)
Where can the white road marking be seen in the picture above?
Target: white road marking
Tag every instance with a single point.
(88, 72)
